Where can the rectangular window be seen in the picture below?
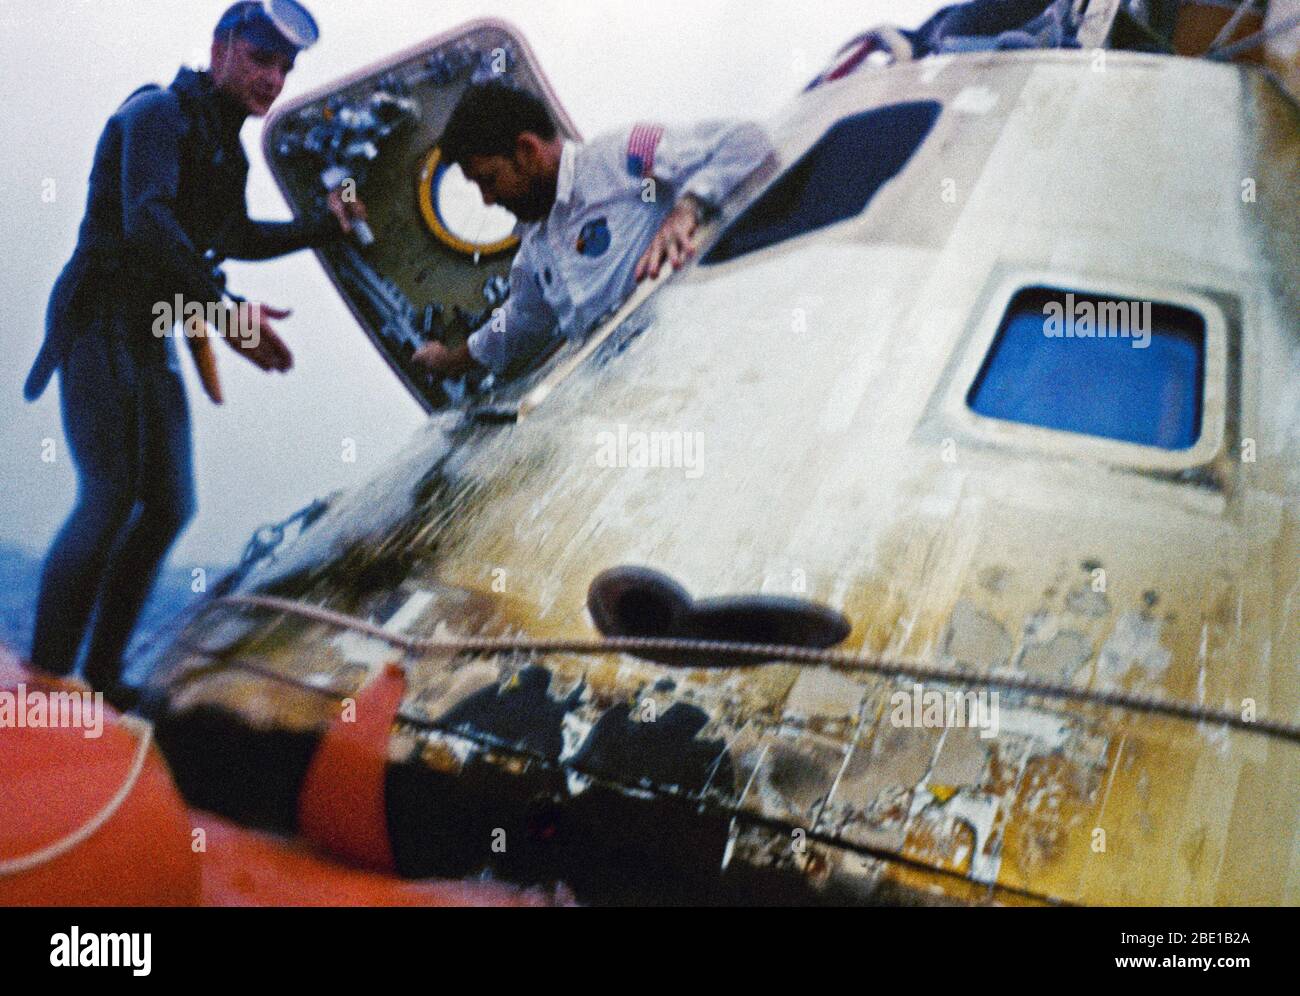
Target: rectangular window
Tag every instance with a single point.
(833, 180)
(1130, 370)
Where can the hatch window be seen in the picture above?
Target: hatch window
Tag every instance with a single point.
(833, 180)
(1130, 370)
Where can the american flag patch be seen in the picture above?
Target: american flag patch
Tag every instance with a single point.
(641, 146)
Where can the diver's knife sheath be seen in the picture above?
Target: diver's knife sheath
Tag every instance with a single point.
(204, 359)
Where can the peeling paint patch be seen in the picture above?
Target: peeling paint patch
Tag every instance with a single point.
(574, 730)
(979, 812)
(1061, 656)
(364, 650)
(1135, 642)
(1084, 601)
(823, 693)
(994, 579)
(975, 638)
(1048, 730)
(371, 652)
(975, 100)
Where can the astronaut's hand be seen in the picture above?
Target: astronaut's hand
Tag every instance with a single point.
(346, 209)
(675, 240)
(250, 334)
(438, 359)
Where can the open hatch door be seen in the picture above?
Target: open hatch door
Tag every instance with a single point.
(439, 260)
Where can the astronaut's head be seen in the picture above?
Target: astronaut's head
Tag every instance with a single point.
(505, 142)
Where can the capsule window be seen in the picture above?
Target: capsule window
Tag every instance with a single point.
(833, 180)
(1131, 370)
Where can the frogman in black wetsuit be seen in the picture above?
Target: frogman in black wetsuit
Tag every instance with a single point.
(167, 198)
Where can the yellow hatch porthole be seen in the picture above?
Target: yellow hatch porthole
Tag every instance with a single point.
(457, 216)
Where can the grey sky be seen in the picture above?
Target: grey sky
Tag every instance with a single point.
(278, 441)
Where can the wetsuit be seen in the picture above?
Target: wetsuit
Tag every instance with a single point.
(167, 186)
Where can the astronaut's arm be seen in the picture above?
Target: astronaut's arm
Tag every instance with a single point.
(703, 165)
(514, 333)
(711, 159)
(518, 330)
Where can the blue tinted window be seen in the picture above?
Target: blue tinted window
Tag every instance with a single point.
(1076, 362)
(833, 180)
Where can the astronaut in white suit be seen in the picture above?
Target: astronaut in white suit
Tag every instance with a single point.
(595, 217)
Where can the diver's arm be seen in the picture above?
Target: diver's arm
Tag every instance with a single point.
(255, 240)
(244, 238)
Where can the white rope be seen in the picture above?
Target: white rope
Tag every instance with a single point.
(144, 736)
(760, 652)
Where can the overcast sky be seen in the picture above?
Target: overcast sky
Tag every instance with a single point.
(65, 65)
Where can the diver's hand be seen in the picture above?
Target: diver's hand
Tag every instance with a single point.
(437, 358)
(249, 333)
(346, 210)
(675, 240)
